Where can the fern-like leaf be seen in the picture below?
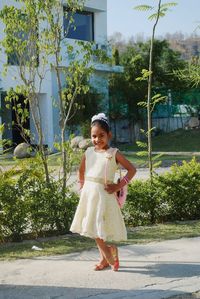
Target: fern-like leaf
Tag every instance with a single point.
(169, 4)
(141, 144)
(142, 154)
(155, 15)
(152, 129)
(143, 7)
(157, 164)
(142, 104)
(156, 157)
(158, 99)
(156, 96)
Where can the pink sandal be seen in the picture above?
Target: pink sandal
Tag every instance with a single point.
(114, 252)
(101, 266)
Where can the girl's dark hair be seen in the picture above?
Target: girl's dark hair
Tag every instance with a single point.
(102, 124)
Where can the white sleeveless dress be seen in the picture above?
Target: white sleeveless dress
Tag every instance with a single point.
(98, 214)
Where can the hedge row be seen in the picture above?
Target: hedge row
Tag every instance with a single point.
(28, 205)
(172, 196)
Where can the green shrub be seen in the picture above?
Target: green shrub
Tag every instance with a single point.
(63, 209)
(29, 205)
(181, 191)
(85, 129)
(172, 196)
(142, 206)
(48, 210)
(13, 217)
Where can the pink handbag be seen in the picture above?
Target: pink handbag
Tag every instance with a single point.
(122, 193)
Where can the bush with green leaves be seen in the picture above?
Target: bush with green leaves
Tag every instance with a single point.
(48, 210)
(13, 207)
(172, 196)
(28, 204)
(85, 129)
(181, 191)
(142, 206)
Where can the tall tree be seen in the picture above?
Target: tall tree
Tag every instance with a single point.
(128, 92)
(22, 45)
(191, 74)
(159, 11)
(36, 37)
(75, 64)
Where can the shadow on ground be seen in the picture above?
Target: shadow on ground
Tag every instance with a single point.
(187, 296)
(51, 292)
(167, 269)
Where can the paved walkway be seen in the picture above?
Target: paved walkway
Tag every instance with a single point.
(151, 271)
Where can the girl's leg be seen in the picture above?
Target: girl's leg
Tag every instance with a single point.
(105, 251)
(102, 258)
(103, 262)
(114, 252)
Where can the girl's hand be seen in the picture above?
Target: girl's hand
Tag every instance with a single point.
(81, 183)
(111, 188)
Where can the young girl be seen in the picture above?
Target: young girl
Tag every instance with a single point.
(98, 214)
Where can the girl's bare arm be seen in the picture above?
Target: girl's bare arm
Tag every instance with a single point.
(81, 172)
(131, 171)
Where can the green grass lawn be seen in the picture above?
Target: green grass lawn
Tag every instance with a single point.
(8, 160)
(73, 243)
(176, 141)
(166, 160)
(167, 231)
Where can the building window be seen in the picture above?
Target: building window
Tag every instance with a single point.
(82, 28)
(24, 57)
(13, 59)
(28, 51)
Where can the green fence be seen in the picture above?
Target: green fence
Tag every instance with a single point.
(178, 103)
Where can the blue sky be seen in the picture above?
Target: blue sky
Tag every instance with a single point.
(185, 17)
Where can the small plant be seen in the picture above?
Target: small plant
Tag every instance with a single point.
(160, 11)
(47, 212)
(143, 204)
(181, 191)
(13, 209)
(85, 129)
(30, 205)
(191, 74)
(172, 196)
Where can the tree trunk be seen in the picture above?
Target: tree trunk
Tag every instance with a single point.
(64, 161)
(149, 112)
(38, 125)
(132, 131)
(115, 132)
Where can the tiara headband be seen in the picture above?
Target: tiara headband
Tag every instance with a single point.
(100, 116)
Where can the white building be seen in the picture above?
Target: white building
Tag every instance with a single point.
(91, 25)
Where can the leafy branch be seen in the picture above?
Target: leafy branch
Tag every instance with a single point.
(158, 11)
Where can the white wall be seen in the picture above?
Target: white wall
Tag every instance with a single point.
(170, 124)
(48, 92)
(46, 121)
(100, 5)
(12, 79)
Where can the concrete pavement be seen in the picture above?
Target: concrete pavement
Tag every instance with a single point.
(150, 271)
